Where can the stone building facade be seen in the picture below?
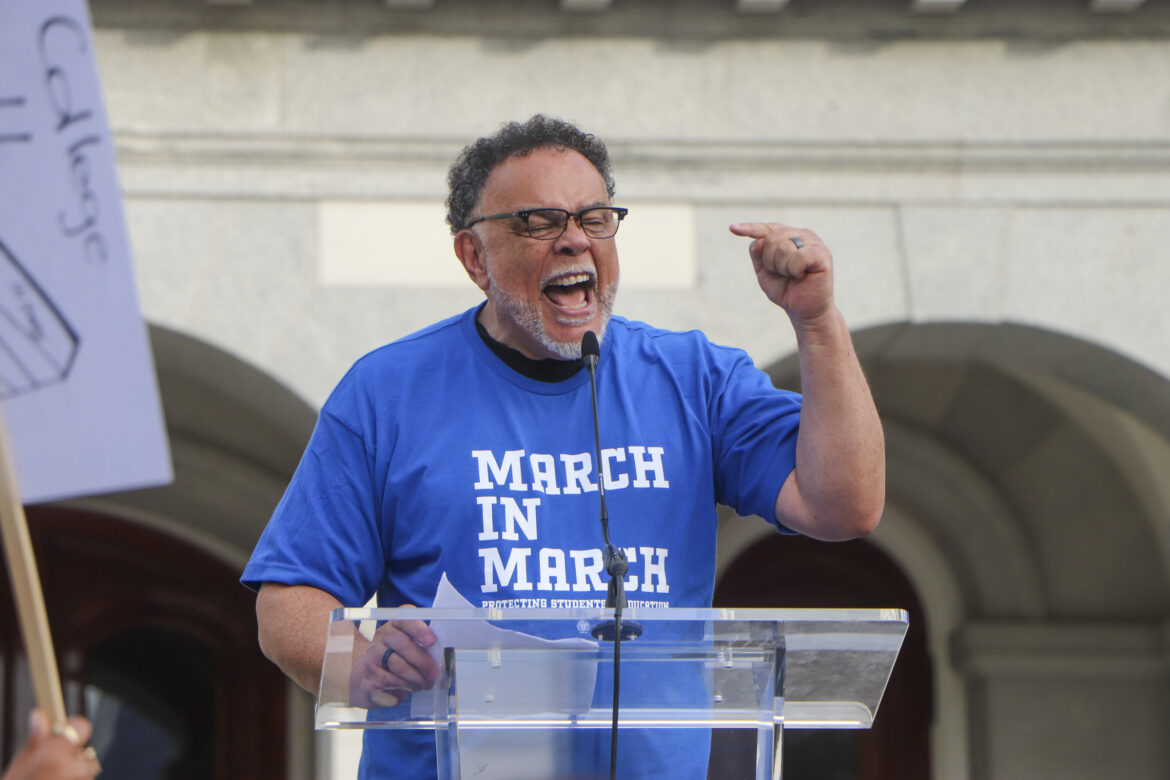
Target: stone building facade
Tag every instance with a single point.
(993, 178)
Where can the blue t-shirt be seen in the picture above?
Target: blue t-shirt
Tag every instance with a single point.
(433, 456)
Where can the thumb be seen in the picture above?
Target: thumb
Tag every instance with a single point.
(38, 727)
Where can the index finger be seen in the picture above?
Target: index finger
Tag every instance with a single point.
(75, 729)
(81, 727)
(417, 630)
(755, 229)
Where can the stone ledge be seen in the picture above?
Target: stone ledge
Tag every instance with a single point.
(1041, 155)
(697, 20)
(283, 166)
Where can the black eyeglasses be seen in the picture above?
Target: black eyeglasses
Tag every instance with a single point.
(547, 224)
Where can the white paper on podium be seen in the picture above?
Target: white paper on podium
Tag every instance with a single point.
(553, 684)
(77, 383)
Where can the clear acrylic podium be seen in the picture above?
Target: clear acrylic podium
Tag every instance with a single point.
(503, 694)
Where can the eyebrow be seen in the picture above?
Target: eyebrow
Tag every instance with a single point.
(595, 204)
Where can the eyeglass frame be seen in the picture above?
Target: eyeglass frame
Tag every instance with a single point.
(524, 214)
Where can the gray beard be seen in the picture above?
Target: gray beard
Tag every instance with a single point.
(527, 315)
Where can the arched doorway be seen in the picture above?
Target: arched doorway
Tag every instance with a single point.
(1023, 497)
(142, 586)
(156, 642)
(794, 571)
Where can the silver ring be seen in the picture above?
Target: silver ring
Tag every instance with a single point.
(386, 658)
(795, 240)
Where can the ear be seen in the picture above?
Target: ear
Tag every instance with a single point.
(469, 250)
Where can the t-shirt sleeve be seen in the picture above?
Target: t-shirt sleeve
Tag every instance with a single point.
(754, 427)
(326, 531)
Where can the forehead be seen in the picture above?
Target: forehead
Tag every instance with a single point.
(553, 177)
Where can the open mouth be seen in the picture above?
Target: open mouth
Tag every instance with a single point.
(573, 292)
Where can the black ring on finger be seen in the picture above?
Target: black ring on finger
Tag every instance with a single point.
(796, 240)
(386, 658)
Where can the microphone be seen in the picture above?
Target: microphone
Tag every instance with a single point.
(616, 563)
(590, 350)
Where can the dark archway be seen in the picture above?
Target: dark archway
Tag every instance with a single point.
(794, 571)
(156, 642)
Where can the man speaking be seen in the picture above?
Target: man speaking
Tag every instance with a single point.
(468, 448)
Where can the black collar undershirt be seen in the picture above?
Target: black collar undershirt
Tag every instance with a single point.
(544, 370)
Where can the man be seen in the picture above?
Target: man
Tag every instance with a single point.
(466, 448)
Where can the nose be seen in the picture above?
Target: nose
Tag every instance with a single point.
(573, 241)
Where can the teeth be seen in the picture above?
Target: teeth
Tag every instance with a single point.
(569, 281)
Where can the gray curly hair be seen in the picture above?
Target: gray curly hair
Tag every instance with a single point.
(475, 163)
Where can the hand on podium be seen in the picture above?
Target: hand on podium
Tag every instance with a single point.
(394, 665)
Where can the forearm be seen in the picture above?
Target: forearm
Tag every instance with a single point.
(840, 451)
(293, 623)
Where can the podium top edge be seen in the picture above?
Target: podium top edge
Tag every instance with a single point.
(895, 617)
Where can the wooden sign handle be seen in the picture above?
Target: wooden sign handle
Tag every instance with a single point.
(26, 589)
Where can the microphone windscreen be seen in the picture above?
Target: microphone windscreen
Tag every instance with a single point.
(589, 345)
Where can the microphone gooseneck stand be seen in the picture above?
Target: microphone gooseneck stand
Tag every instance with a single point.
(616, 563)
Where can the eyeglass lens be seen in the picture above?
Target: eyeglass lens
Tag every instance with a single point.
(551, 223)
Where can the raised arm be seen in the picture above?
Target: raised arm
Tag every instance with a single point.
(837, 489)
